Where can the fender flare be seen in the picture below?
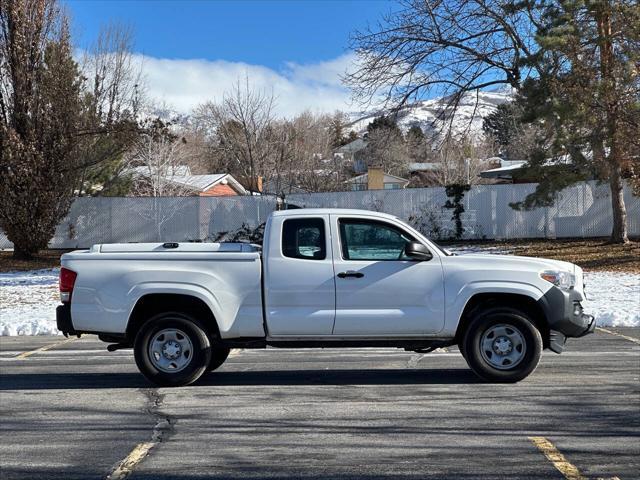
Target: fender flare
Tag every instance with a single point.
(463, 296)
(141, 290)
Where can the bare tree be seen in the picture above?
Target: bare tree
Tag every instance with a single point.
(444, 47)
(158, 166)
(311, 165)
(242, 123)
(387, 148)
(115, 79)
(289, 154)
(115, 98)
(459, 162)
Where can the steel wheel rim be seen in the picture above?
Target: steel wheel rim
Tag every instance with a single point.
(503, 346)
(170, 350)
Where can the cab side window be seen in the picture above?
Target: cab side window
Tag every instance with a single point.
(372, 241)
(304, 238)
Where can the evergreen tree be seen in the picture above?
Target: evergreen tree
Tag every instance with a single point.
(415, 135)
(503, 125)
(338, 125)
(384, 123)
(59, 129)
(40, 109)
(351, 136)
(587, 99)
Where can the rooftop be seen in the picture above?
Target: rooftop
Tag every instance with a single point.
(388, 178)
(200, 182)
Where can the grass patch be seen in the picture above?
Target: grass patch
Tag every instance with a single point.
(44, 259)
(590, 254)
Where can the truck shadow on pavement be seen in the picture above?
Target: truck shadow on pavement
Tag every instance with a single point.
(53, 381)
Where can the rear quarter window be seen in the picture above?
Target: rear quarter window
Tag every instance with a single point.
(304, 238)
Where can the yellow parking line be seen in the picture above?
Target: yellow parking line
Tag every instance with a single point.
(626, 337)
(42, 349)
(566, 468)
(126, 466)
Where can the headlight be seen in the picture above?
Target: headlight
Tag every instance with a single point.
(560, 279)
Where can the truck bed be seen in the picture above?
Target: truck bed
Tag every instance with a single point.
(113, 278)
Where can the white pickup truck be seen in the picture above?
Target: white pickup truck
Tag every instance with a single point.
(323, 278)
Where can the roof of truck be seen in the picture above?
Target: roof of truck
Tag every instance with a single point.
(330, 211)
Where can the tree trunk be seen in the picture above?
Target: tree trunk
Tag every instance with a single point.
(608, 81)
(20, 254)
(619, 231)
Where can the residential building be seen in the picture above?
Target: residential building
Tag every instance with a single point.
(376, 179)
(186, 184)
(211, 185)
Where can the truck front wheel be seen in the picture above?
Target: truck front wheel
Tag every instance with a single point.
(219, 355)
(502, 345)
(172, 349)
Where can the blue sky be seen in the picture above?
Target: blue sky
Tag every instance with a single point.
(192, 50)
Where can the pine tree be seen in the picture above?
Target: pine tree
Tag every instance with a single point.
(588, 99)
(383, 122)
(415, 135)
(503, 125)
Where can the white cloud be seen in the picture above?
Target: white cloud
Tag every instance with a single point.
(183, 84)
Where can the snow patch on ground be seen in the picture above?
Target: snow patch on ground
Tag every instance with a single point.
(613, 298)
(28, 300)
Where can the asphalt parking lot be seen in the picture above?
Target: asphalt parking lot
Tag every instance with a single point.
(74, 411)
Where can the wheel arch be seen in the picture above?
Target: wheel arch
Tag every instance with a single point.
(516, 301)
(153, 304)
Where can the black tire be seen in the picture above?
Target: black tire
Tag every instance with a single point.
(491, 364)
(461, 348)
(193, 364)
(219, 354)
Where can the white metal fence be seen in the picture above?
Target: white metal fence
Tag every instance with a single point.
(583, 210)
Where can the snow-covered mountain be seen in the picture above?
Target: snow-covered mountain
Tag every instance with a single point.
(434, 116)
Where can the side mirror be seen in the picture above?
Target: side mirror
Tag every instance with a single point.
(417, 251)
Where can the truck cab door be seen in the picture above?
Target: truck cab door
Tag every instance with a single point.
(379, 290)
(299, 282)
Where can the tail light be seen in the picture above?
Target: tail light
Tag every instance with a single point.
(67, 281)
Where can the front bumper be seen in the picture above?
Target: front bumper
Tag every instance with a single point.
(566, 317)
(63, 320)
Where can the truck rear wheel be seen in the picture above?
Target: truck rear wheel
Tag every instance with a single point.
(172, 349)
(502, 345)
(219, 355)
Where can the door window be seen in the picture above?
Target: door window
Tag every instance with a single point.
(304, 238)
(372, 241)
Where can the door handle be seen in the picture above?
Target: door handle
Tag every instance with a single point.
(350, 273)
